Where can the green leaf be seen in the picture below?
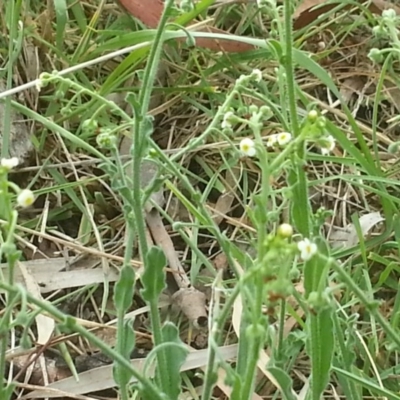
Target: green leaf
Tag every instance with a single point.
(123, 291)
(60, 7)
(285, 382)
(320, 345)
(125, 346)
(175, 357)
(300, 208)
(313, 272)
(153, 278)
(7, 392)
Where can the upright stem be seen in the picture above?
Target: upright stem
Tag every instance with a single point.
(140, 141)
(299, 180)
(289, 68)
(15, 7)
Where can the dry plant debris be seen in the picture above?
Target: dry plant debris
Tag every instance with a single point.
(309, 10)
(19, 134)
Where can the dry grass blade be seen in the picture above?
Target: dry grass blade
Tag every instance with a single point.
(102, 378)
(45, 325)
(50, 275)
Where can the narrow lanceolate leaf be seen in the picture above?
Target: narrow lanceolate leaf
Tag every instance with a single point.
(176, 356)
(123, 292)
(320, 346)
(125, 346)
(61, 9)
(153, 278)
(285, 382)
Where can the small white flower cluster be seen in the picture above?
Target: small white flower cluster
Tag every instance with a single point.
(9, 163)
(107, 139)
(228, 120)
(25, 197)
(325, 141)
(255, 75)
(247, 147)
(327, 145)
(280, 139)
(307, 249)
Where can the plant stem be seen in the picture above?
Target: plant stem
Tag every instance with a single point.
(300, 199)
(15, 7)
(140, 142)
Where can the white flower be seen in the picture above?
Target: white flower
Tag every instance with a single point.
(307, 249)
(9, 163)
(285, 230)
(328, 144)
(389, 14)
(247, 147)
(256, 75)
(227, 121)
(242, 80)
(106, 139)
(25, 198)
(283, 138)
(272, 140)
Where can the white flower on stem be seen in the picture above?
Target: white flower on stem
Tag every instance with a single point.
(283, 138)
(25, 198)
(389, 14)
(256, 75)
(307, 249)
(247, 147)
(272, 140)
(327, 145)
(9, 163)
(227, 121)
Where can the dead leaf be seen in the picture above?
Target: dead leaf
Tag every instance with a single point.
(192, 302)
(347, 237)
(54, 372)
(20, 138)
(102, 378)
(349, 86)
(45, 325)
(51, 275)
(309, 10)
(149, 13)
